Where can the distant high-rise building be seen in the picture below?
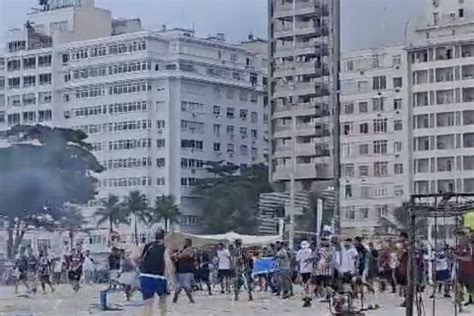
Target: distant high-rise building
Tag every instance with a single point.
(157, 105)
(303, 85)
(374, 138)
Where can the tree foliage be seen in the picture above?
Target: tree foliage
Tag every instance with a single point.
(229, 197)
(112, 211)
(136, 204)
(166, 210)
(45, 168)
(402, 216)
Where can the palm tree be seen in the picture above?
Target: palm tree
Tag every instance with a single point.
(111, 212)
(72, 220)
(166, 210)
(136, 204)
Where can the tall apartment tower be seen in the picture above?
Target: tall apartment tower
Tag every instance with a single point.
(156, 105)
(374, 144)
(303, 85)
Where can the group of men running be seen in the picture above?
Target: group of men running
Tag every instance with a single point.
(31, 269)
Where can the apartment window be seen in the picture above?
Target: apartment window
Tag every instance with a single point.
(461, 13)
(160, 143)
(29, 99)
(160, 181)
(349, 108)
(435, 18)
(363, 171)
(397, 147)
(45, 116)
(13, 119)
(230, 130)
(230, 148)
(253, 134)
(398, 168)
(230, 112)
(382, 210)
(379, 83)
(254, 117)
(380, 147)
(243, 132)
(347, 128)
(160, 124)
(363, 149)
(44, 61)
(29, 81)
(381, 169)
(216, 128)
(397, 82)
(364, 213)
(377, 104)
(29, 63)
(160, 162)
(397, 60)
(45, 79)
(346, 150)
(243, 114)
(380, 125)
(364, 128)
(397, 125)
(363, 107)
(217, 146)
(350, 214)
(397, 104)
(348, 191)
(216, 110)
(348, 170)
(380, 192)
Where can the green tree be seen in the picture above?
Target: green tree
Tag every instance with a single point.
(229, 197)
(45, 168)
(165, 210)
(402, 217)
(136, 204)
(111, 211)
(73, 221)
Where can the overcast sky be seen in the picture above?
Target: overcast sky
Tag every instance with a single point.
(365, 23)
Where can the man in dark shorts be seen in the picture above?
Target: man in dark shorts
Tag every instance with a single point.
(323, 270)
(44, 271)
(224, 272)
(401, 272)
(21, 270)
(32, 270)
(152, 274)
(305, 264)
(75, 268)
(242, 270)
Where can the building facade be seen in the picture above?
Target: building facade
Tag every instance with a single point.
(441, 73)
(374, 138)
(304, 66)
(157, 105)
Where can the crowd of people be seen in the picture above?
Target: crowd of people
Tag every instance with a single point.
(322, 268)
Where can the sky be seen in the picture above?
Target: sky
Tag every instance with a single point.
(365, 23)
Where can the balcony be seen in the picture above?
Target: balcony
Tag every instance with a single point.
(445, 164)
(468, 140)
(468, 117)
(445, 142)
(444, 74)
(468, 162)
(468, 72)
(468, 95)
(467, 50)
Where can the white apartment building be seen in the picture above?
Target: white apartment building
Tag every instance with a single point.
(441, 74)
(304, 66)
(374, 142)
(157, 105)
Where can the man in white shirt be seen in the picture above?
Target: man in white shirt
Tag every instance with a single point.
(346, 265)
(305, 264)
(224, 272)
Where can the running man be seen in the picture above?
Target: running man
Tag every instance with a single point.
(224, 273)
(44, 272)
(76, 260)
(152, 274)
(185, 268)
(242, 270)
(21, 270)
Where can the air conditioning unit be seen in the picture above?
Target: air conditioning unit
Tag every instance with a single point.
(397, 90)
(397, 112)
(160, 131)
(379, 93)
(397, 67)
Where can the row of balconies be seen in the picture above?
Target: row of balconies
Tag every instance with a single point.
(297, 7)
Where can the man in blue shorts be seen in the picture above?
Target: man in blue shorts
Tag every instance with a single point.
(152, 274)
